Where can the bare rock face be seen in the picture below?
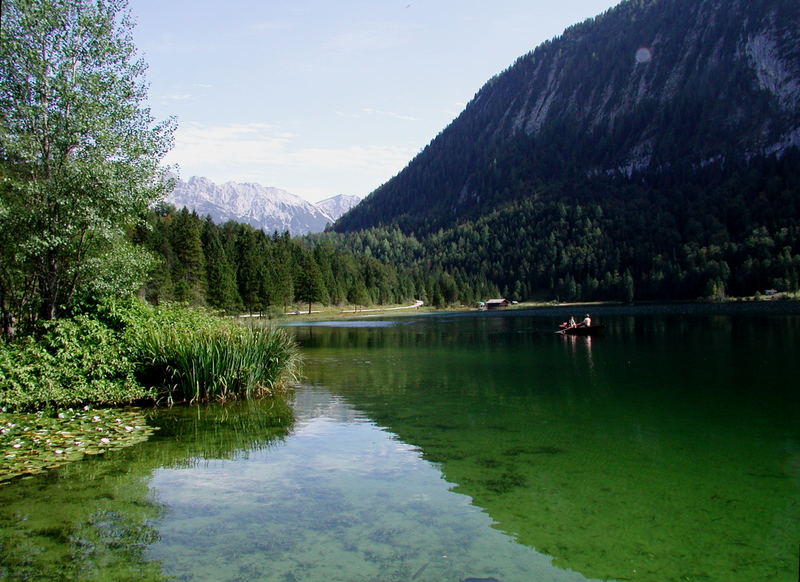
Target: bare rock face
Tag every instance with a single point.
(622, 78)
(270, 209)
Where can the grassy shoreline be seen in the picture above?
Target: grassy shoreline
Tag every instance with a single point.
(130, 352)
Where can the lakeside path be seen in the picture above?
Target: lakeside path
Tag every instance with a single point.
(416, 304)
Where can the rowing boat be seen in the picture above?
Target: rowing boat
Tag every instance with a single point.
(583, 330)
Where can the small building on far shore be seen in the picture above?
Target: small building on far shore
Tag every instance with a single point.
(497, 303)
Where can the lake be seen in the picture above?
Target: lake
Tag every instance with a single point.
(455, 447)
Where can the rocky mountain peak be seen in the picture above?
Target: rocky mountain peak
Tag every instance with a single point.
(263, 207)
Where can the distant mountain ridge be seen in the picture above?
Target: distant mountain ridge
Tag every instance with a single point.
(336, 206)
(263, 207)
(647, 87)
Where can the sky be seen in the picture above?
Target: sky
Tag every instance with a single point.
(321, 98)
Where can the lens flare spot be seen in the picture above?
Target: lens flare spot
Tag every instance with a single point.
(644, 55)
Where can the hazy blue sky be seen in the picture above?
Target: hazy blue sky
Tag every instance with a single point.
(324, 98)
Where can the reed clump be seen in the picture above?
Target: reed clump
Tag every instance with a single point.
(192, 355)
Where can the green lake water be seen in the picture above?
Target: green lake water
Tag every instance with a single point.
(444, 448)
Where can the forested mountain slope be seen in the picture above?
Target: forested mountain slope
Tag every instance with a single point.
(650, 152)
(650, 86)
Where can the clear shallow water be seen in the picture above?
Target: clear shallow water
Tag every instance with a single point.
(438, 449)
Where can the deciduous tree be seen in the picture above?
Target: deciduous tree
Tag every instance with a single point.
(79, 150)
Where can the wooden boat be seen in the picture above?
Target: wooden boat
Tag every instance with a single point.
(590, 330)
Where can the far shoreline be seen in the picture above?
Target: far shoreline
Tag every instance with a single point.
(546, 309)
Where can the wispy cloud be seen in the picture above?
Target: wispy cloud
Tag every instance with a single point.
(368, 37)
(367, 111)
(280, 158)
(402, 116)
(171, 98)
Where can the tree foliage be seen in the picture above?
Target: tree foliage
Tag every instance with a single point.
(726, 229)
(79, 151)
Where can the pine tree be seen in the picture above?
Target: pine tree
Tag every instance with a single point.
(250, 268)
(280, 270)
(189, 269)
(358, 295)
(221, 282)
(308, 284)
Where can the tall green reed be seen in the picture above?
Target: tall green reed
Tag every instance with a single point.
(195, 356)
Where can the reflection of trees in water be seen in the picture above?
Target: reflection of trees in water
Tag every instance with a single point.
(475, 332)
(646, 449)
(93, 519)
(53, 527)
(221, 431)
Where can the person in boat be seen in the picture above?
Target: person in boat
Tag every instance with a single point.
(569, 324)
(587, 321)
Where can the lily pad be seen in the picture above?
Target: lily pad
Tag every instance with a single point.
(32, 443)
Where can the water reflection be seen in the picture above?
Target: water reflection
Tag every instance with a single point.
(442, 450)
(340, 499)
(258, 491)
(580, 345)
(664, 450)
(96, 519)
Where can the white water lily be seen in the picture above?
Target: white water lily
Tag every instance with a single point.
(105, 441)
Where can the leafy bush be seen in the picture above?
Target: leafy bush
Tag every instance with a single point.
(128, 351)
(74, 361)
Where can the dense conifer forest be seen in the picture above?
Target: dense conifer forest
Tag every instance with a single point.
(724, 230)
(236, 268)
(728, 229)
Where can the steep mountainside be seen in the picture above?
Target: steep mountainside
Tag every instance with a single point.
(270, 209)
(336, 206)
(649, 88)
